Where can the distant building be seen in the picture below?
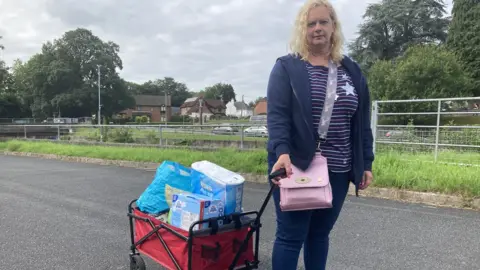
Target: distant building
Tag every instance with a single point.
(155, 107)
(260, 108)
(210, 107)
(238, 109)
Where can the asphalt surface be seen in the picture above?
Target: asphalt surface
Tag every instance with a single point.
(60, 215)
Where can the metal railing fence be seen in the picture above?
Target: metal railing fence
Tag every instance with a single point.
(443, 140)
(214, 136)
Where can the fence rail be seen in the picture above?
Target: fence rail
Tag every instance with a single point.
(214, 136)
(449, 143)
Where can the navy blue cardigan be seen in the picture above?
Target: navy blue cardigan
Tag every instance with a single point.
(290, 122)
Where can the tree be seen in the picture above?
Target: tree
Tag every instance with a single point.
(392, 26)
(10, 105)
(177, 90)
(464, 38)
(220, 91)
(62, 80)
(3, 70)
(425, 71)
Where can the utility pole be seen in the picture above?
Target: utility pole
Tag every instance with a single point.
(99, 116)
(166, 103)
(243, 107)
(200, 110)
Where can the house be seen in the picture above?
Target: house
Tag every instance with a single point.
(260, 108)
(155, 107)
(238, 109)
(209, 107)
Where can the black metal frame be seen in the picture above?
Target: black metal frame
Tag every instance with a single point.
(213, 229)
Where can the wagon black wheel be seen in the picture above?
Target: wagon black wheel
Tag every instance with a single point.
(137, 263)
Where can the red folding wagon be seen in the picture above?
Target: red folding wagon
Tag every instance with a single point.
(217, 247)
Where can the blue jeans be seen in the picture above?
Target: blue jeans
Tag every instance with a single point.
(310, 228)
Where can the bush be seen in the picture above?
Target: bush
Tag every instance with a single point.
(121, 135)
(180, 118)
(152, 137)
(142, 119)
(424, 71)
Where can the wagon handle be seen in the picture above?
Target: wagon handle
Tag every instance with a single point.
(255, 226)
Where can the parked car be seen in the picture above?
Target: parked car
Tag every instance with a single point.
(225, 129)
(394, 133)
(256, 131)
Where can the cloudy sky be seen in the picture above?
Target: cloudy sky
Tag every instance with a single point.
(198, 42)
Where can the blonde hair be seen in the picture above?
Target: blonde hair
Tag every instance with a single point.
(298, 41)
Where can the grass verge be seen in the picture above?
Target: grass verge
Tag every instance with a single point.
(391, 169)
(167, 134)
(250, 162)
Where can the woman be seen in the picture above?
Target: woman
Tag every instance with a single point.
(296, 92)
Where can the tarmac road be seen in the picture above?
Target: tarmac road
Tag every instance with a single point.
(60, 215)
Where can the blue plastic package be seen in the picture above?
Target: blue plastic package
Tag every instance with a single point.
(170, 178)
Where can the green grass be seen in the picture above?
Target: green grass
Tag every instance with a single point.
(248, 161)
(391, 169)
(419, 173)
(169, 135)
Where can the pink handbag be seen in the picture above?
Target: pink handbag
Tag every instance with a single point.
(311, 189)
(305, 190)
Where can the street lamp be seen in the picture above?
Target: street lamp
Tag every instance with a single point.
(99, 116)
(99, 98)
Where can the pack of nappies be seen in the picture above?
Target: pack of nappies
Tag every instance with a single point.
(216, 182)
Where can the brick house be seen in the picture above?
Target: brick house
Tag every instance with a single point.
(155, 107)
(210, 107)
(261, 107)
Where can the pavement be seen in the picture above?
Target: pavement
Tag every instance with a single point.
(62, 215)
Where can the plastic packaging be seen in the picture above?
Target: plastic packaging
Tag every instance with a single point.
(187, 209)
(170, 178)
(214, 181)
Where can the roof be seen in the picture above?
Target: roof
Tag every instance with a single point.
(151, 100)
(205, 109)
(261, 107)
(215, 103)
(196, 110)
(189, 102)
(241, 106)
(193, 102)
(190, 99)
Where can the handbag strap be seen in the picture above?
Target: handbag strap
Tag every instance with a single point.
(330, 95)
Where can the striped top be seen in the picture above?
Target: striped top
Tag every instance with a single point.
(337, 149)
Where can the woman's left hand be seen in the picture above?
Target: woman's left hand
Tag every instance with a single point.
(366, 179)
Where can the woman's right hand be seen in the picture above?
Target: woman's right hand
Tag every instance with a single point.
(282, 162)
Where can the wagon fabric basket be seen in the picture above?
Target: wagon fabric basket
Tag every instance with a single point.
(212, 248)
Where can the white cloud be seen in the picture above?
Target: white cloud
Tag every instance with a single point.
(199, 42)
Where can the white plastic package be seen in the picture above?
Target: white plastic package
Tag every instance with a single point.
(219, 183)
